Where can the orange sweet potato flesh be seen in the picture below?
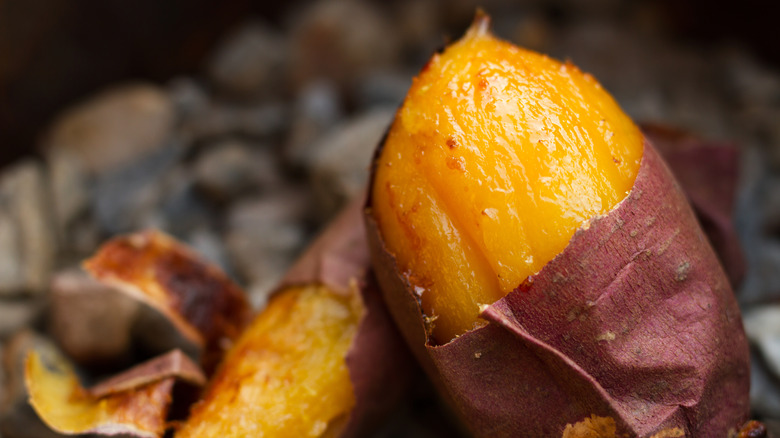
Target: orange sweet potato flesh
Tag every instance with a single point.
(135, 402)
(322, 360)
(496, 157)
(286, 375)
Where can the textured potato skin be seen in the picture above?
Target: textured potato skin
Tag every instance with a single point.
(708, 173)
(635, 320)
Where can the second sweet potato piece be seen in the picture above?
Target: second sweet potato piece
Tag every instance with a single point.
(323, 359)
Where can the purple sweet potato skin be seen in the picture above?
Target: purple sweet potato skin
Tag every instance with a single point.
(634, 320)
(708, 173)
(379, 363)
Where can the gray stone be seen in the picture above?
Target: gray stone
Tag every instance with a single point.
(752, 190)
(265, 235)
(179, 208)
(339, 162)
(289, 204)
(123, 198)
(758, 223)
(116, 127)
(206, 243)
(17, 314)
(769, 210)
(256, 120)
(752, 83)
(91, 322)
(83, 239)
(266, 272)
(764, 390)
(232, 167)
(693, 100)
(341, 40)
(188, 97)
(762, 326)
(24, 196)
(317, 108)
(250, 61)
(761, 123)
(68, 185)
(386, 89)
(763, 279)
(11, 263)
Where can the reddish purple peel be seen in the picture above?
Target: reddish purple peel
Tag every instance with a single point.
(634, 320)
(708, 174)
(378, 361)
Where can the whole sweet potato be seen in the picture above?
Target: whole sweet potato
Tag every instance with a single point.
(632, 325)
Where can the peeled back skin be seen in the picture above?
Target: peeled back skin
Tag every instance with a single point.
(497, 156)
(541, 260)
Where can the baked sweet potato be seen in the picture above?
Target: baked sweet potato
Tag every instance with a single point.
(323, 359)
(541, 260)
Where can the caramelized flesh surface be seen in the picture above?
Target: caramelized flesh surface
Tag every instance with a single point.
(496, 157)
(65, 406)
(286, 376)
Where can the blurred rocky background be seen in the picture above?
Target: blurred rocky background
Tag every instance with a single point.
(241, 127)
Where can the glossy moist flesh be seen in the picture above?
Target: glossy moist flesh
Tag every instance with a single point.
(286, 375)
(497, 156)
